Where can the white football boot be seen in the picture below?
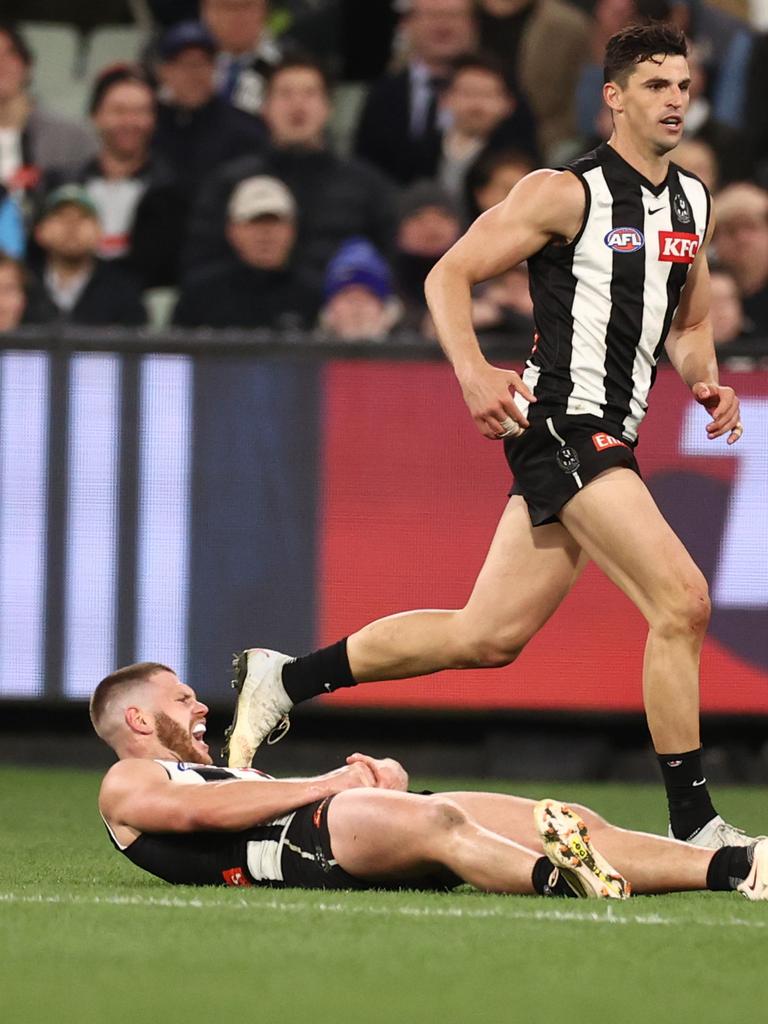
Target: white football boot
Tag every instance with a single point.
(262, 705)
(755, 885)
(566, 843)
(718, 833)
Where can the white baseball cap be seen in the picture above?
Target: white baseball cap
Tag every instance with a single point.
(260, 197)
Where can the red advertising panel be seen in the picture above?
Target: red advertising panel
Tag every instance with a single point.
(410, 498)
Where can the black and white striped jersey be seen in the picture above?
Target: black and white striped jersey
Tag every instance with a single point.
(211, 858)
(604, 303)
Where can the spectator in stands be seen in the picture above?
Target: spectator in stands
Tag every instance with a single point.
(483, 115)
(196, 129)
(400, 124)
(263, 288)
(726, 309)
(33, 141)
(360, 301)
(729, 144)
(492, 177)
(246, 48)
(337, 198)
(741, 246)
(545, 44)
(141, 207)
(429, 224)
(83, 288)
(12, 238)
(697, 156)
(13, 299)
(504, 304)
(21, 298)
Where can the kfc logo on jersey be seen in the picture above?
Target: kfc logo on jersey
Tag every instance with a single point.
(678, 246)
(604, 441)
(624, 239)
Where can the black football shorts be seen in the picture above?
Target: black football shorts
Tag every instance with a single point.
(308, 861)
(554, 458)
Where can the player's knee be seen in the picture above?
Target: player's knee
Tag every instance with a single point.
(442, 815)
(687, 608)
(592, 818)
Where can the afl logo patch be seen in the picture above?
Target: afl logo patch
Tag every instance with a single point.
(624, 239)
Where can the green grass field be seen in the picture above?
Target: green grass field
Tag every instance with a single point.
(86, 938)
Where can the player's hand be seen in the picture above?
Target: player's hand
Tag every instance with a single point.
(351, 776)
(489, 393)
(722, 404)
(389, 774)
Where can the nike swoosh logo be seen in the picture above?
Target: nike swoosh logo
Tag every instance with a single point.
(699, 783)
(657, 210)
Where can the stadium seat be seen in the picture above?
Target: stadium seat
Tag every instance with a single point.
(111, 44)
(347, 102)
(56, 47)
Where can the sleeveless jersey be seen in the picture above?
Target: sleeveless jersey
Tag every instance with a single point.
(604, 303)
(211, 858)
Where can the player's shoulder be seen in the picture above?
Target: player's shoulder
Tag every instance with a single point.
(132, 771)
(557, 185)
(686, 175)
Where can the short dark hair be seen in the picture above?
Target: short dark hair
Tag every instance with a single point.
(637, 43)
(483, 168)
(304, 61)
(113, 75)
(122, 678)
(487, 62)
(18, 43)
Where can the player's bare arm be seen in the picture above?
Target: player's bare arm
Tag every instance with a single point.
(691, 350)
(545, 206)
(138, 795)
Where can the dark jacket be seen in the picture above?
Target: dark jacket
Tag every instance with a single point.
(242, 296)
(159, 224)
(383, 134)
(112, 297)
(336, 198)
(195, 142)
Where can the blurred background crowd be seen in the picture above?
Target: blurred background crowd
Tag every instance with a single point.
(301, 164)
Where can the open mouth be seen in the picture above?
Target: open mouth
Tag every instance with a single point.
(198, 731)
(673, 121)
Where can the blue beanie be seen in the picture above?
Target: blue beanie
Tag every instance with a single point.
(358, 262)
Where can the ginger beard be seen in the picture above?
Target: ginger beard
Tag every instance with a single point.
(180, 741)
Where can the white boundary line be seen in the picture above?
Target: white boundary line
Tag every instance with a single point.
(609, 915)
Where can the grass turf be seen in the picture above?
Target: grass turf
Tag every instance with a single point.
(86, 938)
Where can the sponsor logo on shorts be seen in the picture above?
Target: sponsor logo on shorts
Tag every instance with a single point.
(236, 877)
(624, 239)
(317, 816)
(603, 441)
(678, 246)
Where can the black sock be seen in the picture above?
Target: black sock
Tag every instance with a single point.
(690, 807)
(547, 880)
(320, 672)
(729, 866)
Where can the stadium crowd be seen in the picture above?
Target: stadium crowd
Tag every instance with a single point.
(303, 164)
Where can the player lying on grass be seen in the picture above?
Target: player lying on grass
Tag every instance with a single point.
(174, 814)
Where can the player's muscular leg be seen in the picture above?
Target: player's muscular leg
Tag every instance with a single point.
(651, 863)
(616, 521)
(526, 575)
(386, 835)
